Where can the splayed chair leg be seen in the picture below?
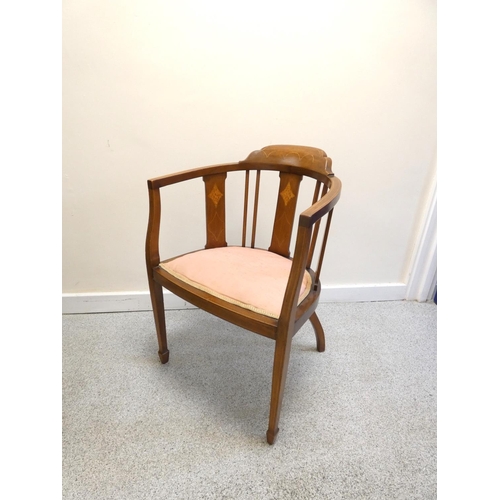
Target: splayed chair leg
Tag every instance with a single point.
(280, 368)
(318, 331)
(159, 315)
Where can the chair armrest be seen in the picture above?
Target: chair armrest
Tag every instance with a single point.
(302, 246)
(154, 185)
(167, 180)
(322, 206)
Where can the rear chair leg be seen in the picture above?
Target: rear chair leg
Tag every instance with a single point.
(156, 291)
(318, 330)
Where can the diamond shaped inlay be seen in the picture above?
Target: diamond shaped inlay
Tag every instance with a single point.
(287, 194)
(215, 195)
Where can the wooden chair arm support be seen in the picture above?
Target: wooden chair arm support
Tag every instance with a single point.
(154, 186)
(299, 260)
(303, 241)
(153, 231)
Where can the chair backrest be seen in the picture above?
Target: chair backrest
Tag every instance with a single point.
(292, 163)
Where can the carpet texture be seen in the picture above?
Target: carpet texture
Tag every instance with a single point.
(358, 421)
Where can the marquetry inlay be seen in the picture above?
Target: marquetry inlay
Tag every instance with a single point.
(215, 195)
(287, 194)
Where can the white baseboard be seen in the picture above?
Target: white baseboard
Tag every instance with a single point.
(80, 303)
(363, 293)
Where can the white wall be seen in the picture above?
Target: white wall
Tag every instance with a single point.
(156, 86)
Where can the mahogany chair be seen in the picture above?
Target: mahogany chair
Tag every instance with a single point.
(263, 291)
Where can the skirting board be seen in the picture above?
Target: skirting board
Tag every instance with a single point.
(82, 303)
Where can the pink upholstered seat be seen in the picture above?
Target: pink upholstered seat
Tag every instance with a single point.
(251, 278)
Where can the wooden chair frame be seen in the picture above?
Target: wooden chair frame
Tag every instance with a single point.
(292, 163)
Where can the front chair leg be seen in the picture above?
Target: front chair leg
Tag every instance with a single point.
(280, 368)
(318, 331)
(156, 291)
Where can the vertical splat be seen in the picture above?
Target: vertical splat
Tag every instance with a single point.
(215, 204)
(285, 213)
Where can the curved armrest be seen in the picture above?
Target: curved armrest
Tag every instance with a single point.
(322, 206)
(303, 243)
(154, 185)
(307, 220)
(167, 180)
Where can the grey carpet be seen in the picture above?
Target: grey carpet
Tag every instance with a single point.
(358, 421)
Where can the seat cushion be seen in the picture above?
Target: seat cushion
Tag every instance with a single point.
(248, 277)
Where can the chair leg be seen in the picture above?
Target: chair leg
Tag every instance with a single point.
(159, 315)
(318, 330)
(280, 368)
